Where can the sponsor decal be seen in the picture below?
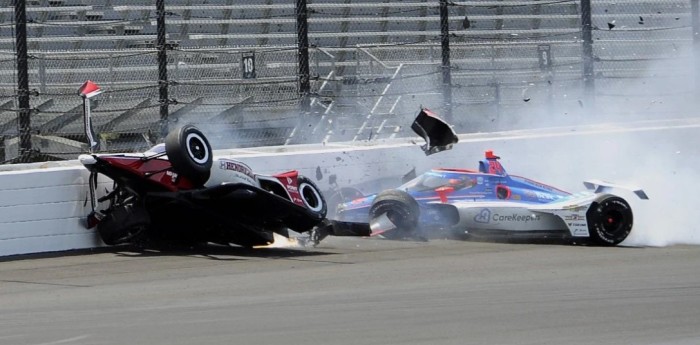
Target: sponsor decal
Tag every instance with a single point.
(172, 174)
(545, 196)
(292, 188)
(580, 231)
(515, 197)
(480, 180)
(574, 217)
(515, 218)
(238, 167)
(484, 216)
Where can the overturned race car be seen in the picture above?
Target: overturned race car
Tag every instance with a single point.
(178, 192)
(488, 202)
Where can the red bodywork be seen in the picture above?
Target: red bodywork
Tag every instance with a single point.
(158, 171)
(290, 181)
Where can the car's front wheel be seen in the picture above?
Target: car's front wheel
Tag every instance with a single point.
(400, 208)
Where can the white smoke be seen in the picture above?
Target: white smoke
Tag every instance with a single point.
(662, 161)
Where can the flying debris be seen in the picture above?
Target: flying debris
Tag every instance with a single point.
(611, 25)
(409, 175)
(641, 20)
(438, 134)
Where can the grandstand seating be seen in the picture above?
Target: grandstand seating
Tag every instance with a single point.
(375, 62)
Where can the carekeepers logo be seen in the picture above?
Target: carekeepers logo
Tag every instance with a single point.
(515, 218)
(484, 216)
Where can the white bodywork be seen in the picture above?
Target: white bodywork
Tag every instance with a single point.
(569, 213)
(566, 213)
(226, 170)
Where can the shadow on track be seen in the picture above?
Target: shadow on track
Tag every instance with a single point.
(219, 252)
(207, 251)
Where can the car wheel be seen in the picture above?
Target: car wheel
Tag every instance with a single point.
(401, 209)
(312, 196)
(190, 153)
(123, 224)
(609, 221)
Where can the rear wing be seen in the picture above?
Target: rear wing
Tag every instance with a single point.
(438, 134)
(599, 186)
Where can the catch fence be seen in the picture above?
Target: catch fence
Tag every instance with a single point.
(287, 72)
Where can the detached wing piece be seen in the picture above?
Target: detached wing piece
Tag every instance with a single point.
(438, 134)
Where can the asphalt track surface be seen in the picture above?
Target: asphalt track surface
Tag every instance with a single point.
(356, 291)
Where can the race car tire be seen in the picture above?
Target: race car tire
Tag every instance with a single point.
(190, 153)
(123, 223)
(312, 197)
(401, 208)
(609, 221)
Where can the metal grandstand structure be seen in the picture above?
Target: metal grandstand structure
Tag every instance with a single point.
(371, 65)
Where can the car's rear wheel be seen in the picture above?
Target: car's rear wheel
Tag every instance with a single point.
(123, 224)
(190, 153)
(609, 221)
(312, 197)
(401, 209)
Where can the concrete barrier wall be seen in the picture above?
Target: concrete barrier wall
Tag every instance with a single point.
(42, 205)
(40, 210)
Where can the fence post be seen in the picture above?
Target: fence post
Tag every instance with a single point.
(2, 149)
(303, 46)
(695, 16)
(446, 68)
(162, 67)
(587, 35)
(25, 138)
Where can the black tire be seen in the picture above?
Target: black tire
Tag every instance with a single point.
(609, 221)
(190, 153)
(123, 224)
(312, 197)
(401, 208)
